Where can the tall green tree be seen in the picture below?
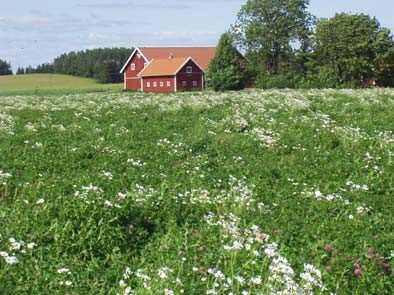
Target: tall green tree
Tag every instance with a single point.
(5, 68)
(270, 30)
(349, 49)
(20, 71)
(225, 71)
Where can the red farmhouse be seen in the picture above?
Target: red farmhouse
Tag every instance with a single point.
(167, 69)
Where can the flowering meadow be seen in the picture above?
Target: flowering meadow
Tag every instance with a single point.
(239, 193)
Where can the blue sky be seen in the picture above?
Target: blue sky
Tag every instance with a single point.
(35, 31)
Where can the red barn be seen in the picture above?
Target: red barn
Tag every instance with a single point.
(175, 68)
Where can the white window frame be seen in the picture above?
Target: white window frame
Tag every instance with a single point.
(161, 84)
(184, 83)
(132, 66)
(194, 83)
(154, 84)
(147, 84)
(145, 64)
(189, 69)
(168, 83)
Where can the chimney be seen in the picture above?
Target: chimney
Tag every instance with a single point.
(171, 56)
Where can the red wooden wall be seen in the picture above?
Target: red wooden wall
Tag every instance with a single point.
(196, 75)
(132, 81)
(158, 80)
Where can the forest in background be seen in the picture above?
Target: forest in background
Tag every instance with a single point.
(102, 64)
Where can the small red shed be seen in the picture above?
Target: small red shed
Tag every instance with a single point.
(172, 74)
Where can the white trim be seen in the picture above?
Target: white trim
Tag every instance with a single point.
(175, 86)
(161, 84)
(168, 84)
(131, 56)
(132, 66)
(139, 74)
(124, 80)
(189, 68)
(188, 59)
(142, 84)
(194, 83)
(154, 83)
(202, 81)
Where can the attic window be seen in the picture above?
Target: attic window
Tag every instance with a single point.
(132, 67)
(189, 70)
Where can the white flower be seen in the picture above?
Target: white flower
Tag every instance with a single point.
(40, 201)
(127, 291)
(351, 216)
(256, 281)
(31, 245)
(108, 175)
(11, 260)
(122, 284)
(63, 270)
(240, 280)
(3, 254)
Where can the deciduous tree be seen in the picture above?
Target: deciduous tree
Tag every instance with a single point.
(272, 29)
(349, 49)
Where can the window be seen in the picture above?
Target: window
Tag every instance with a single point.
(168, 83)
(161, 84)
(132, 67)
(154, 84)
(189, 70)
(184, 83)
(194, 83)
(147, 84)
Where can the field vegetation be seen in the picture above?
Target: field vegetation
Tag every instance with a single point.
(51, 84)
(251, 192)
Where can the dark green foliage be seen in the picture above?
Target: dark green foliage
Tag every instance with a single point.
(225, 70)
(20, 71)
(5, 68)
(102, 63)
(351, 50)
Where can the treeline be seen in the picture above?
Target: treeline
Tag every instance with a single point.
(102, 64)
(5, 68)
(286, 46)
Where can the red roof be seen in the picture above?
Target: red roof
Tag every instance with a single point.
(202, 55)
(165, 67)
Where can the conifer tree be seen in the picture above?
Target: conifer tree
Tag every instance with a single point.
(225, 71)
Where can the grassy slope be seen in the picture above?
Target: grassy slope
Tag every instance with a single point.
(50, 83)
(289, 146)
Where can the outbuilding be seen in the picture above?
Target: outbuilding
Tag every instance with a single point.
(171, 75)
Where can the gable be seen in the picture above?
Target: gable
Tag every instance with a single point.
(135, 52)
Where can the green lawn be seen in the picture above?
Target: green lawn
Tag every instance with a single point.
(51, 84)
(251, 192)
